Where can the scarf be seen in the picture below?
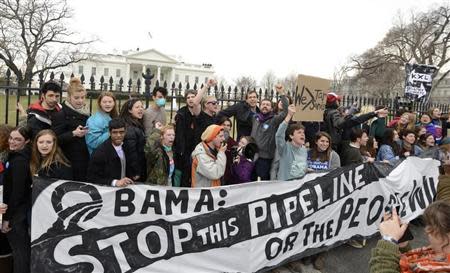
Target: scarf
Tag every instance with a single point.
(264, 117)
(83, 111)
(421, 260)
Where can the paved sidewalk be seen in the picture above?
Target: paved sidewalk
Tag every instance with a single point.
(346, 259)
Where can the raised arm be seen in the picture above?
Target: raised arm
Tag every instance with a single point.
(198, 98)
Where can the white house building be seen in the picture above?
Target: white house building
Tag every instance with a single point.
(131, 65)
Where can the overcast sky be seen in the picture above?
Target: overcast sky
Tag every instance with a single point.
(242, 37)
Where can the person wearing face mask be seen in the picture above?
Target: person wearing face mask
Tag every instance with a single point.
(41, 113)
(209, 159)
(17, 196)
(132, 113)
(322, 157)
(47, 159)
(69, 125)
(159, 154)
(156, 112)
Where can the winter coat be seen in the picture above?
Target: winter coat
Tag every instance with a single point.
(242, 171)
(105, 166)
(264, 131)
(74, 148)
(351, 155)
(443, 188)
(387, 258)
(387, 153)
(57, 171)
(17, 184)
(207, 168)
(293, 160)
(98, 130)
(39, 119)
(135, 142)
(243, 115)
(157, 160)
(333, 124)
(377, 128)
(228, 176)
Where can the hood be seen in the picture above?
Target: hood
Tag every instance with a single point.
(37, 106)
(202, 148)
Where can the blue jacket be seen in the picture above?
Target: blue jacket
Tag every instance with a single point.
(98, 130)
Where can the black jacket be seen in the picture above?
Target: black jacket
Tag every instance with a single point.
(244, 117)
(39, 119)
(57, 171)
(17, 184)
(188, 131)
(74, 148)
(134, 142)
(105, 166)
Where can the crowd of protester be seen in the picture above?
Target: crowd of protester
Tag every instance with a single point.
(139, 145)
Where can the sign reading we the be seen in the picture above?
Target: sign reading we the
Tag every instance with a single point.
(310, 98)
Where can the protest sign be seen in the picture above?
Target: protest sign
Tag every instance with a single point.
(419, 79)
(310, 98)
(253, 227)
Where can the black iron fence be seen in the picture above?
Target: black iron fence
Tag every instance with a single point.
(142, 89)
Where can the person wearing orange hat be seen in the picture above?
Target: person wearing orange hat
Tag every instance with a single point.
(209, 159)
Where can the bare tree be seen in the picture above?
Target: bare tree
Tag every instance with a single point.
(246, 82)
(34, 37)
(290, 82)
(268, 80)
(423, 38)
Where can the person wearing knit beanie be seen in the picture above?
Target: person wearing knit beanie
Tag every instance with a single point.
(209, 159)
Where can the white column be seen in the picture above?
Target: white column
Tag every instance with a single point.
(127, 73)
(158, 74)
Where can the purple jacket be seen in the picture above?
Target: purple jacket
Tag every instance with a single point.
(242, 171)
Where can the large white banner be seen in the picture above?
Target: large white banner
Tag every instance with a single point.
(81, 227)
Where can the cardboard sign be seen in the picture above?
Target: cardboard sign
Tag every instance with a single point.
(310, 98)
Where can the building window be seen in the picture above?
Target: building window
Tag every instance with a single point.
(177, 77)
(161, 77)
(117, 72)
(206, 79)
(94, 71)
(186, 78)
(106, 72)
(196, 79)
(80, 69)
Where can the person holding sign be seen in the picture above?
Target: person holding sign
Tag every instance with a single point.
(265, 125)
(293, 154)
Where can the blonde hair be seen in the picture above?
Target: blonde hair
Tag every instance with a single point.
(205, 99)
(38, 163)
(114, 113)
(75, 86)
(367, 109)
(166, 128)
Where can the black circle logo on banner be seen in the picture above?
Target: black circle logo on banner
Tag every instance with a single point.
(70, 217)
